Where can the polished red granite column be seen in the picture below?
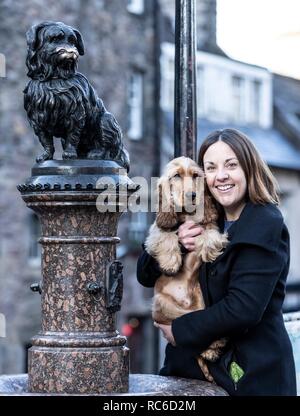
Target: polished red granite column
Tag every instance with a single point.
(78, 349)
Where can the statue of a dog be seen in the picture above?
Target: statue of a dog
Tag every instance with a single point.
(60, 102)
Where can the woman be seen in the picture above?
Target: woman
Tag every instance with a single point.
(244, 287)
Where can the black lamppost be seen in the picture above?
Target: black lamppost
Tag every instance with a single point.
(185, 109)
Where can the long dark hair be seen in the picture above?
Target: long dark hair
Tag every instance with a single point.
(262, 185)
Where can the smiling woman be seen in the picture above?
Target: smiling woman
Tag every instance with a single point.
(244, 288)
(235, 172)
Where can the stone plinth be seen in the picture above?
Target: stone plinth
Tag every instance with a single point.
(139, 385)
(78, 349)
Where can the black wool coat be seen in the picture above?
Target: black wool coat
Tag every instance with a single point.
(243, 290)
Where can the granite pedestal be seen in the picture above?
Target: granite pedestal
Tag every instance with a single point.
(78, 349)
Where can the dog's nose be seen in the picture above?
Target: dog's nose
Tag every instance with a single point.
(191, 195)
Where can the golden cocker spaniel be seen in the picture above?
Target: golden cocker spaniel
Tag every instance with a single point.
(177, 291)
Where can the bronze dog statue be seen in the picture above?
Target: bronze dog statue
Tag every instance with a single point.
(60, 102)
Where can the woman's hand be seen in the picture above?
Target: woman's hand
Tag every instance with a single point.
(167, 332)
(187, 233)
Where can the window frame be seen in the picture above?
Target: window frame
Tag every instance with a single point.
(135, 102)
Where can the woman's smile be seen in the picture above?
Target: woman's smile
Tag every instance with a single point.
(225, 188)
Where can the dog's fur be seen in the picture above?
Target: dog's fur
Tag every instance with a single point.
(177, 291)
(60, 102)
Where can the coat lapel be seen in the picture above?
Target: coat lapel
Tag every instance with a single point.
(260, 225)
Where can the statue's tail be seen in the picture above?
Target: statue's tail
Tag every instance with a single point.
(112, 140)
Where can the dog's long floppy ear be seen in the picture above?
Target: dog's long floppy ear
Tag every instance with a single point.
(32, 34)
(80, 44)
(32, 43)
(210, 210)
(166, 216)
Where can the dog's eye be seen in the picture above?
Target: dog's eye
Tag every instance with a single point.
(54, 39)
(72, 40)
(196, 175)
(176, 176)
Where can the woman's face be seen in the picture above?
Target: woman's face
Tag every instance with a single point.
(225, 178)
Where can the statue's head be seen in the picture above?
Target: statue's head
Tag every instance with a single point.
(53, 50)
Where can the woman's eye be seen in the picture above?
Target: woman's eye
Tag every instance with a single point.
(209, 168)
(232, 165)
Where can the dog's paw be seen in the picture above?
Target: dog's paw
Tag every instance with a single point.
(222, 241)
(211, 354)
(96, 154)
(219, 344)
(211, 254)
(170, 265)
(215, 350)
(44, 156)
(69, 153)
(203, 366)
(212, 246)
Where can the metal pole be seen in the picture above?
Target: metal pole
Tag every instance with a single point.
(185, 108)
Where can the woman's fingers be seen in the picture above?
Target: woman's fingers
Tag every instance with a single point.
(188, 241)
(189, 244)
(193, 232)
(166, 331)
(187, 225)
(187, 232)
(189, 228)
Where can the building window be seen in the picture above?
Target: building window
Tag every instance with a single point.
(255, 103)
(135, 104)
(135, 6)
(168, 83)
(34, 253)
(238, 99)
(2, 326)
(200, 91)
(2, 66)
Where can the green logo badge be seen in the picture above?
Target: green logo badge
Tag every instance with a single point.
(235, 371)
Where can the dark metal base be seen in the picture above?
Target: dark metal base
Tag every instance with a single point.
(76, 175)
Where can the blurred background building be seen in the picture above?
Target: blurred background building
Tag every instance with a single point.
(130, 61)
